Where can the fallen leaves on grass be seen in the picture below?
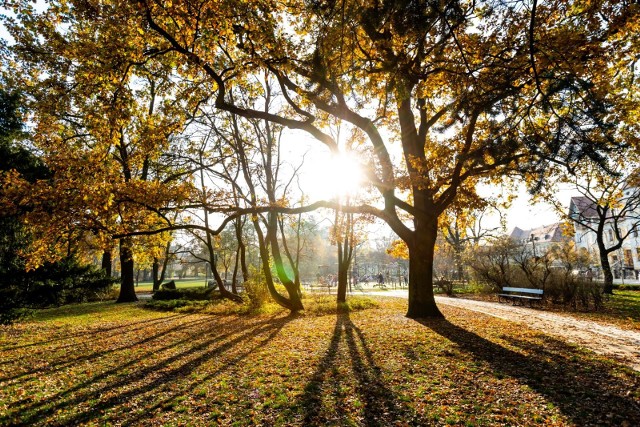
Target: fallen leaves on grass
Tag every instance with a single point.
(109, 364)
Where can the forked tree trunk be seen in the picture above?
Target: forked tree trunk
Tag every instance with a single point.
(294, 302)
(421, 251)
(293, 290)
(127, 275)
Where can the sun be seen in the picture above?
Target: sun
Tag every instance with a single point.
(339, 177)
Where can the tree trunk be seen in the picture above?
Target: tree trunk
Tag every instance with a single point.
(106, 262)
(343, 269)
(292, 291)
(293, 304)
(127, 288)
(608, 274)
(165, 263)
(234, 276)
(421, 251)
(156, 270)
(224, 292)
(243, 251)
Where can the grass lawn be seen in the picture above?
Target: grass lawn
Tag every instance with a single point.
(103, 364)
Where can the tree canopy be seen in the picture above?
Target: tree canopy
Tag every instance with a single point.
(438, 94)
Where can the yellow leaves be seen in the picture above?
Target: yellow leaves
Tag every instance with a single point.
(398, 249)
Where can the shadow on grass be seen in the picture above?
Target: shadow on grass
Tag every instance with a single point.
(323, 401)
(584, 390)
(66, 360)
(96, 333)
(154, 383)
(72, 310)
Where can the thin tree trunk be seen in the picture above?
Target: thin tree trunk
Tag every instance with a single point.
(293, 292)
(266, 269)
(243, 250)
(234, 276)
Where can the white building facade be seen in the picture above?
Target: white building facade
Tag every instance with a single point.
(625, 262)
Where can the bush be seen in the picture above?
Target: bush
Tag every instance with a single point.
(54, 285)
(256, 289)
(575, 292)
(11, 315)
(191, 294)
(179, 305)
(326, 304)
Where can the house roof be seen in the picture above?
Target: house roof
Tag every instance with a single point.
(546, 233)
(583, 207)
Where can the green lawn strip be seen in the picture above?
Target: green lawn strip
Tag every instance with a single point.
(122, 364)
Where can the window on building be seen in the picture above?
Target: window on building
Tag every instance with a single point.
(628, 259)
(635, 231)
(610, 235)
(638, 254)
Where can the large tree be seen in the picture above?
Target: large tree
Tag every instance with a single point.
(469, 90)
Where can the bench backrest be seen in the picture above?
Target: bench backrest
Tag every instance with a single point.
(524, 290)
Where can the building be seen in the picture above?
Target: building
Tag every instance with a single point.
(541, 239)
(625, 262)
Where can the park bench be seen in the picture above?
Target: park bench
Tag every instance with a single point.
(521, 294)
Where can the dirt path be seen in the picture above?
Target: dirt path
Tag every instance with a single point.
(603, 339)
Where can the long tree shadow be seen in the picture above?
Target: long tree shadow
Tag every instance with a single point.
(583, 390)
(67, 361)
(93, 333)
(193, 352)
(323, 398)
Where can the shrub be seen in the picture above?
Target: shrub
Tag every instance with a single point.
(191, 294)
(256, 289)
(575, 292)
(179, 305)
(326, 304)
(55, 284)
(11, 315)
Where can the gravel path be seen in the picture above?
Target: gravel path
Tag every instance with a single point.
(601, 338)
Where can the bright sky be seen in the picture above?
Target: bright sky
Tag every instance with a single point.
(321, 178)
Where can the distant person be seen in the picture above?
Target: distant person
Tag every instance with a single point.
(380, 279)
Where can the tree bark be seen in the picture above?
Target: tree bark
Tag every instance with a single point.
(106, 262)
(293, 291)
(243, 250)
(343, 269)
(127, 287)
(266, 269)
(606, 270)
(156, 268)
(421, 251)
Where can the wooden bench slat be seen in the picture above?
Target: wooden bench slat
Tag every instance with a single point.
(524, 294)
(524, 290)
